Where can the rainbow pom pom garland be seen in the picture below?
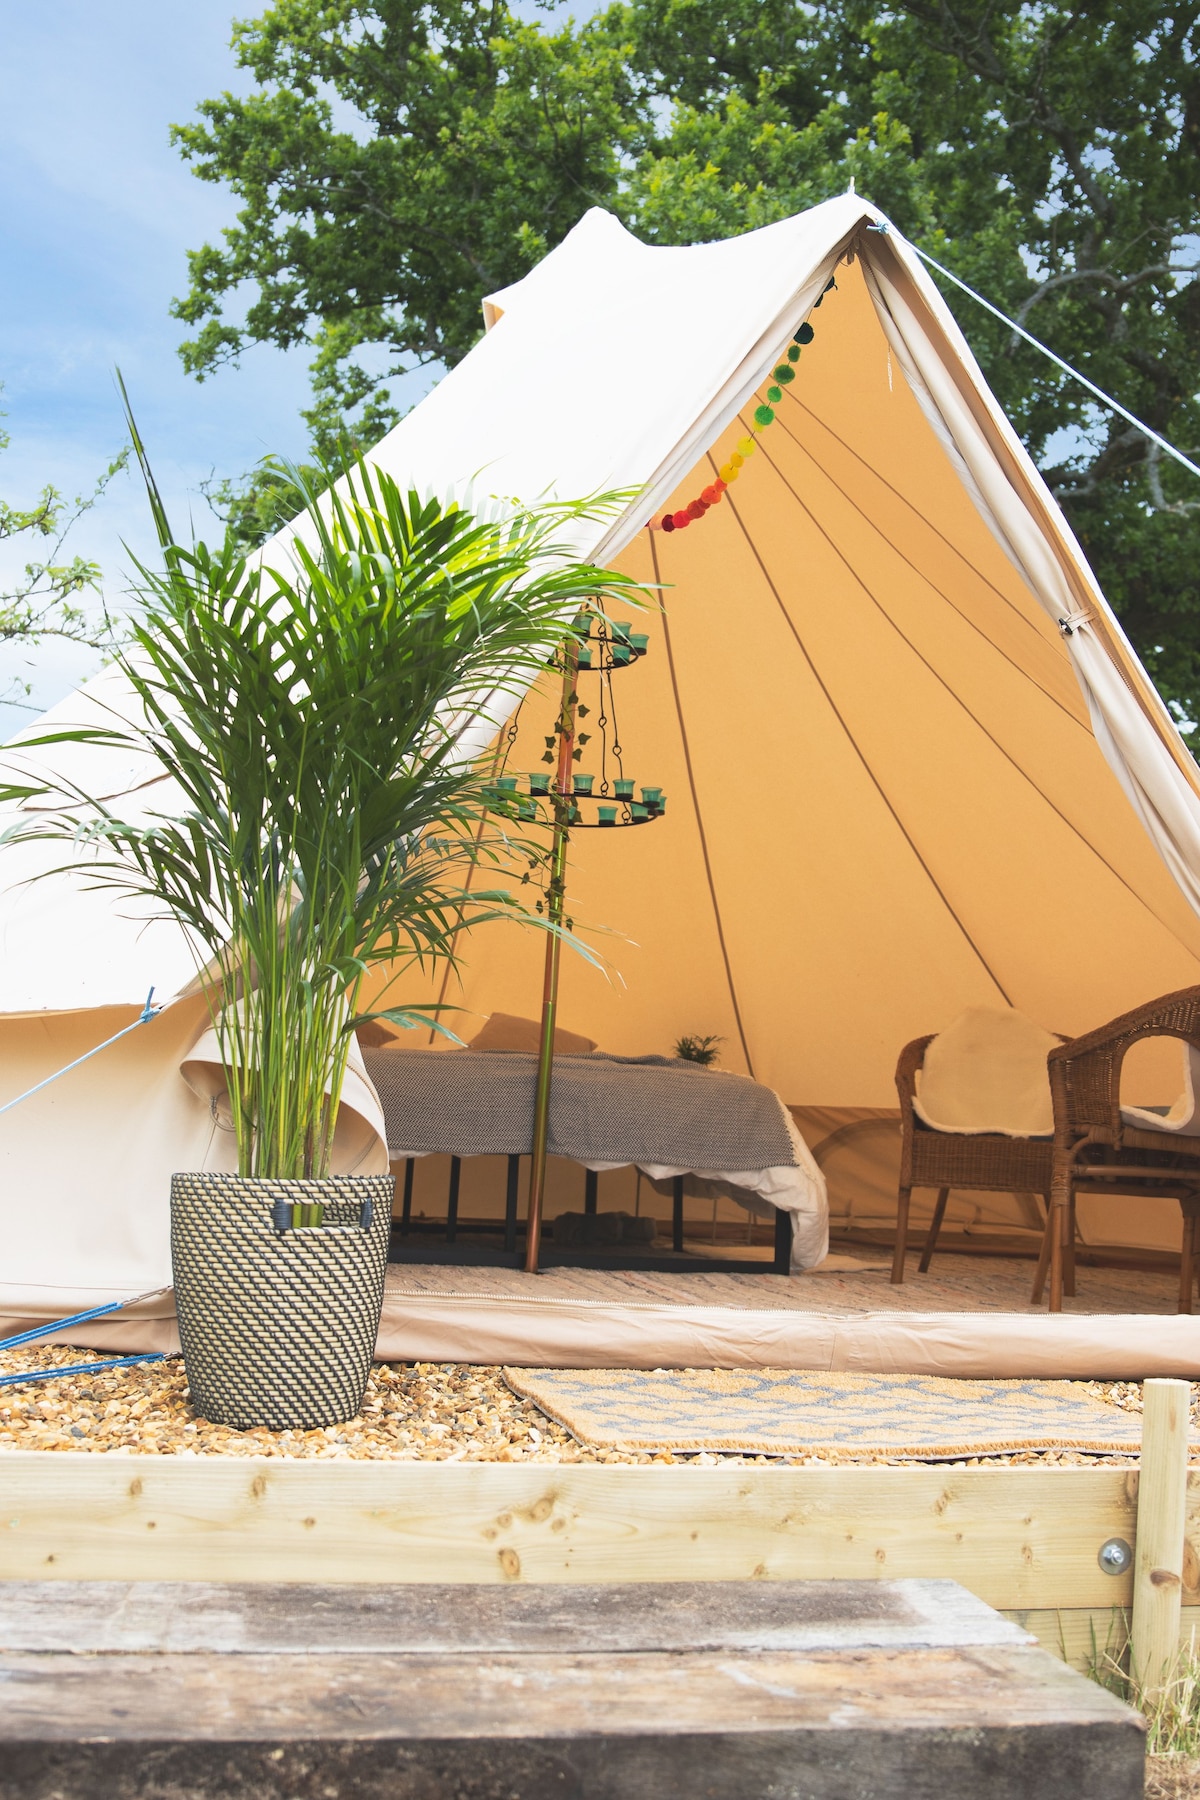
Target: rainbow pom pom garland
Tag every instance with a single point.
(782, 376)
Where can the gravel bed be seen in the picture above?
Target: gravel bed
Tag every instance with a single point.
(418, 1412)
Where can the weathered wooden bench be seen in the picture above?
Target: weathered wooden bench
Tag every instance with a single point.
(755, 1690)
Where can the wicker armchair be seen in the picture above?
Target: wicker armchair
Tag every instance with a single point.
(1095, 1151)
(944, 1160)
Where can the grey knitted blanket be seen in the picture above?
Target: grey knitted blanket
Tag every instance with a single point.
(618, 1109)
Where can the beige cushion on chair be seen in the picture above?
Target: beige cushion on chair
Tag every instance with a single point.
(1184, 1116)
(987, 1072)
(506, 1031)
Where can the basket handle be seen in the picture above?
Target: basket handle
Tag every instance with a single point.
(281, 1216)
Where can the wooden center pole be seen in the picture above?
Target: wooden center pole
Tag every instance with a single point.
(1161, 1524)
(556, 904)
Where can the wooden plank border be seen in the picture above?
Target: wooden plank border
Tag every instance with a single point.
(1019, 1537)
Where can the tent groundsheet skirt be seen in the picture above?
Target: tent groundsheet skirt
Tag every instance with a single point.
(487, 1329)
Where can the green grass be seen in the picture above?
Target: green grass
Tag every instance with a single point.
(1172, 1713)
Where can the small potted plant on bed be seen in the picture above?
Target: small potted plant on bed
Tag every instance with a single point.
(320, 712)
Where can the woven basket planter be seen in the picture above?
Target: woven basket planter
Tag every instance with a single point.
(278, 1326)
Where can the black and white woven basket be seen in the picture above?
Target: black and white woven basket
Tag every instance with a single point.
(278, 1326)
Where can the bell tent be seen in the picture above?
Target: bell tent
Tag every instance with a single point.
(911, 762)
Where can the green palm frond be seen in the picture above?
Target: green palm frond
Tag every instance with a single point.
(316, 715)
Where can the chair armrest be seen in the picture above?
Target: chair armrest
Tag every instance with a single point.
(1085, 1072)
(912, 1058)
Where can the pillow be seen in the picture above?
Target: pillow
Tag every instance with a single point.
(987, 1072)
(505, 1031)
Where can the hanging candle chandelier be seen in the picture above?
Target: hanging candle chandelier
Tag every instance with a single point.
(606, 797)
(570, 798)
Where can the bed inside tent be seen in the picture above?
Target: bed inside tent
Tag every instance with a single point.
(872, 692)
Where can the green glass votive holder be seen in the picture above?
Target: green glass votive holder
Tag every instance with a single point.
(639, 642)
(622, 656)
(652, 797)
(583, 783)
(539, 784)
(639, 812)
(621, 630)
(623, 790)
(584, 657)
(507, 784)
(608, 815)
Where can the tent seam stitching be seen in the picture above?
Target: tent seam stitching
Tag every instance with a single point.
(858, 751)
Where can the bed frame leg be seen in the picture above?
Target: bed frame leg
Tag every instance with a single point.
(783, 1242)
(677, 1213)
(410, 1164)
(452, 1204)
(591, 1190)
(510, 1203)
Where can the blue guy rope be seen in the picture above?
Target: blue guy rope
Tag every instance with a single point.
(1130, 418)
(96, 1312)
(82, 1318)
(114, 1362)
(147, 1013)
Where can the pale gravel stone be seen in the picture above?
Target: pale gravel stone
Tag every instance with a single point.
(420, 1412)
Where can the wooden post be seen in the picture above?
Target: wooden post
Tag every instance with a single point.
(556, 900)
(1161, 1522)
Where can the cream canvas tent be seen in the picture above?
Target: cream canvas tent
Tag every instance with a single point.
(912, 763)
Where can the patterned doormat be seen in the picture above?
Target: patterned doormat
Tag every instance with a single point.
(792, 1412)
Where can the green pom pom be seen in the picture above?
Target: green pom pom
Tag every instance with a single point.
(763, 415)
(805, 335)
(793, 353)
(774, 395)
(785, 373)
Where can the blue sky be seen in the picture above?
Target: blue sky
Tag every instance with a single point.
(96, 213)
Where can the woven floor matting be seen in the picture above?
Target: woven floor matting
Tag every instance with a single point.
(791, 1412)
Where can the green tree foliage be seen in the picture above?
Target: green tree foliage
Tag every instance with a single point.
(400, 160)
(396, 162)
(47, 596)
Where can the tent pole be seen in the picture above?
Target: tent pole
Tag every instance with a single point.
(556, 898)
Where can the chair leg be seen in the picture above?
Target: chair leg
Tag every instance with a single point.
(1060, 1209)
(1186, 1265)
(1043, 1263)
(1069, 1251)
(935, 1225)
(901, 1236)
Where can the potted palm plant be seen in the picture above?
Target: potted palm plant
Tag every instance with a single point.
(320, 714)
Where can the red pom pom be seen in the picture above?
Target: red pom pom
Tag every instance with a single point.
(668, 522)
(682, 519)
(696, 509)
